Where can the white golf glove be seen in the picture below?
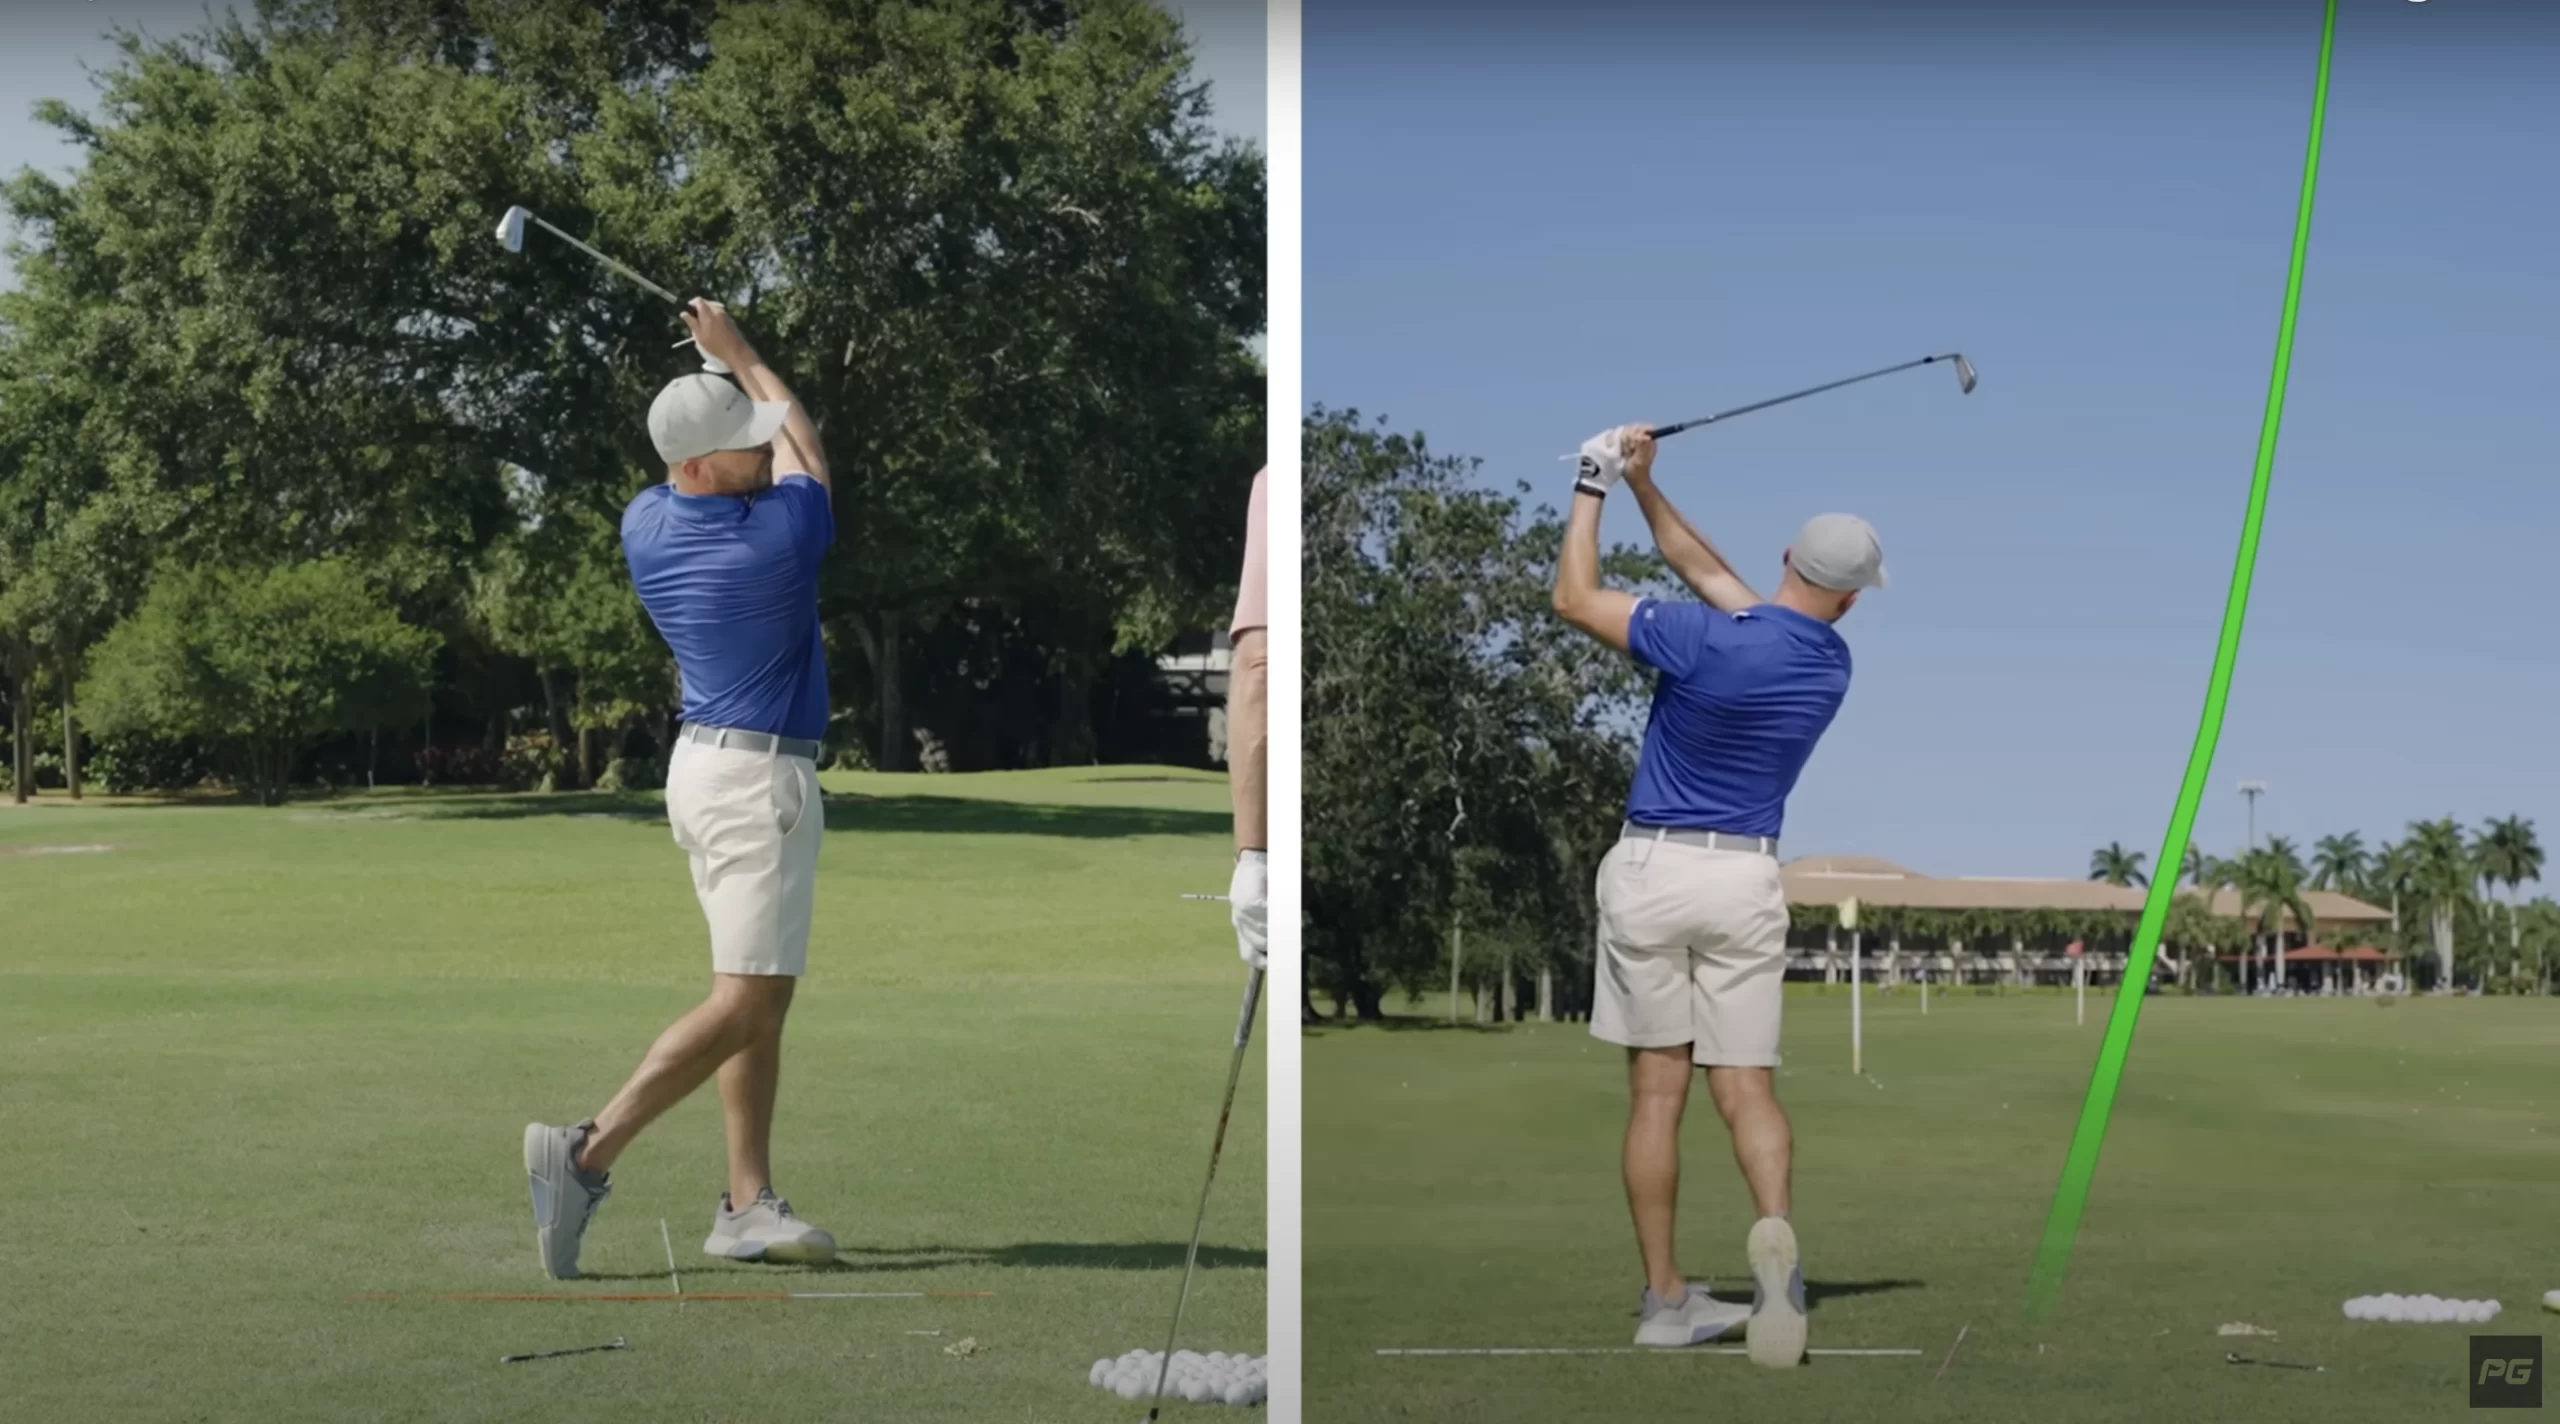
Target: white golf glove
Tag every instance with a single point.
(1601, 464)
(1248, 905)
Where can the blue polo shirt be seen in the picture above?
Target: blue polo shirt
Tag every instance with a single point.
(732, 583)
(1741, 701)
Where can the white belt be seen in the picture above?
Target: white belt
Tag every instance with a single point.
(746, 741)
(1712, 840)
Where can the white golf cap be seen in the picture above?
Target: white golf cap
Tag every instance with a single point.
(1839, 552)
(697, 415)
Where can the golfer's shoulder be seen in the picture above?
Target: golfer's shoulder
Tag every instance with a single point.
(645, 509)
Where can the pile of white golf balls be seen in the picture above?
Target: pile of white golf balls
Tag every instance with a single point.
(2421, 1309)
(1213, 1378)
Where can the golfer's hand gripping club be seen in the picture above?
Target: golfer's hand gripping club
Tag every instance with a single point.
(1248, 907)
(724, 347)
(1610, 457)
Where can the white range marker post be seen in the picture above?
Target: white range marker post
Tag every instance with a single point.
(1857, 1000)
(2080, 989)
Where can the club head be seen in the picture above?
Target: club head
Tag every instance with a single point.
(1964, 374)
(511, 230)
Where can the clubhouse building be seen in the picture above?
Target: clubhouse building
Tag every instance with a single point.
(1992, 930)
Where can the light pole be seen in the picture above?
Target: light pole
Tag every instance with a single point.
(2252, 790)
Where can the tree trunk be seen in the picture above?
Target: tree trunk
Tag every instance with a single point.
(1367, 1001)
(586, 739)
(22, 761)
(1071, 731)
(556, 699)
(1546, 993)
(70, 735)
(896, 754)
(2440, 924)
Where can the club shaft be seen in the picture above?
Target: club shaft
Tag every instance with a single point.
(609, 262)
(1226, 1109)
(1660, 431)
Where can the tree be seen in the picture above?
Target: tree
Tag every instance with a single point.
(259, 662)
(2271, 881)
(557, 594)
(993, 245)
(1450, 718)
(2340, 863)
(2440, 879)
(2507, 853)
(1015, 291)
(2209, 876)
(2117, 866)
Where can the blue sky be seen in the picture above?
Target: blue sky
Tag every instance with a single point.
(1566, 217)
(49, 43)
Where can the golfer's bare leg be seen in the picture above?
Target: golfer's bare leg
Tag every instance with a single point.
(742, 1009)
(1658, 1092)
(747, 1085)
(1763, 1143)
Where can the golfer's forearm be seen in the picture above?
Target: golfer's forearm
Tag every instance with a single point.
(1688, 552)
(1578, 567)
(761, 383)
(1249, 740)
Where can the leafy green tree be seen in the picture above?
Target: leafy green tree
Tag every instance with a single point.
(1450, 718)
(992, 244)
(557, 594)
(258, 662)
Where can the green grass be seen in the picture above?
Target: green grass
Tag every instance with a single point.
(2267, 1162)
(252, 1062)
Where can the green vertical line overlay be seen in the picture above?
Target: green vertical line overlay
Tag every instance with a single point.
(2080, 1168)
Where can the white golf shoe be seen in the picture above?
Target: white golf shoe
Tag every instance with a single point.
(1776, 1333)
(1694, 1319)
(766, 1231)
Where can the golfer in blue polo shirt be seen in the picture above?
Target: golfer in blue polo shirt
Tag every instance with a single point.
(725, 557)
(1693, 921)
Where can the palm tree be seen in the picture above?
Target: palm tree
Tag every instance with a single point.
(2507, 854)
(2389, 880)
(2192, 862)
(2339, 863)
(2440, 879)
(2118, 866)
(2272, 879)
(2209, 875)
(2541, 920)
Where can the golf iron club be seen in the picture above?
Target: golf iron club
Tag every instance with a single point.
(511, 237)
(1226, 1107)
(1964, 380)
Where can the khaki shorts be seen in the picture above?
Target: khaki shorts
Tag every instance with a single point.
(1693, 950)
(750, 822)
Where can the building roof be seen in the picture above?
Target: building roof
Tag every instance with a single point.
(1830, 879)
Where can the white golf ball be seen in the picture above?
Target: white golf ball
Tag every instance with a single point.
(1241, 1392)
